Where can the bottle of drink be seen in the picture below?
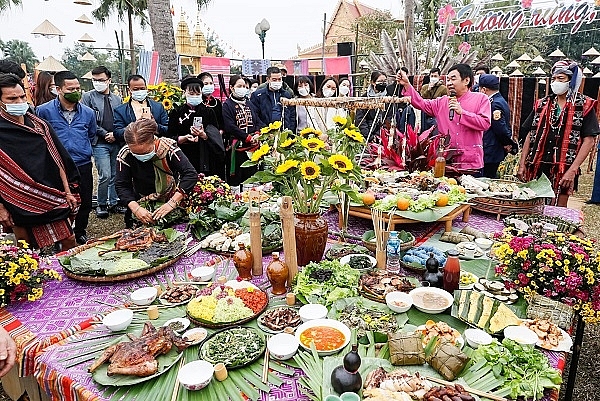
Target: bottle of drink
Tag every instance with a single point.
(439, 168)
(393, 253)
(452, 271)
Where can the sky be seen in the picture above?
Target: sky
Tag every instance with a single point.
(293, 23)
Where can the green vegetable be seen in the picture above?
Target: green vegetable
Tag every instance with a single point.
(342, 283)
(233, 347)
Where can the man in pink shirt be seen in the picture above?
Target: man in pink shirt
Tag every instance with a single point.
(464, 117)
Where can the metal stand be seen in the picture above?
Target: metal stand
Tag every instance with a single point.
(575, 358)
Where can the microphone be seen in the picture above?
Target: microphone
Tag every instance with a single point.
(451, 113)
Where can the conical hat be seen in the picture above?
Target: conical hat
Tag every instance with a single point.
(50, 64)
(46, 28)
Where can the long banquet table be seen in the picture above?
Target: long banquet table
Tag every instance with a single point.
(69, 307)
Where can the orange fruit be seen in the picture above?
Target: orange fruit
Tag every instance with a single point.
(368, 198)
(451, 181)
(462, 189)
(442, 200)
(402, 204)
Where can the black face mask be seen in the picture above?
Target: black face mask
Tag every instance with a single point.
(380, 87)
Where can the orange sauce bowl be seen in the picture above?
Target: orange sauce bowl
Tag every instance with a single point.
(329, 336)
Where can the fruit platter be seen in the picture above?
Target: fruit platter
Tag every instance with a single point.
(226, 305)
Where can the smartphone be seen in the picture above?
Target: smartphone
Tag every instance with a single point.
(145, 112)
(198, 122)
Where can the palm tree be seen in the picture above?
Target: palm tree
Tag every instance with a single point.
(6, 4)
(20, 52)
(164, 36)
(131, 8)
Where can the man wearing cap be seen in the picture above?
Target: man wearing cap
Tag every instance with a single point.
(562, 130)
(497, 140)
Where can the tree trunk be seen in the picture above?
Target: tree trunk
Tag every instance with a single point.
(409, 20)
(164, 38)
(131, 44)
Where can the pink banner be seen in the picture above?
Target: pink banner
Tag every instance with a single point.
(216, 65)
(296, 67)
(337, 65)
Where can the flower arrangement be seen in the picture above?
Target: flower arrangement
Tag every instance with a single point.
(559, 266)
(169, 95)
(206, 191)
(22, 277)
(308, 165)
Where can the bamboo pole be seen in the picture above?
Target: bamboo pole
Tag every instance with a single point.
(286, 212)
(256, 243)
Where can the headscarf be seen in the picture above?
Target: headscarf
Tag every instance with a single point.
(572, 70)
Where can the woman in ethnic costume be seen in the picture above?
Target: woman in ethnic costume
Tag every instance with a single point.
(561, 134)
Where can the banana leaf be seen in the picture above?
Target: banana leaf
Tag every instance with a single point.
(226, 213)
(417, 318)
(542, 186)
(367, 365)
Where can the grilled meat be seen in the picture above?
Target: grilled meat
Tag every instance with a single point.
(134, 240)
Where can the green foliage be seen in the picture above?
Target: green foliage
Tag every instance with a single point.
(6, 4)
(121, 8)
(20, 52)
(369, 30)
(213, 46)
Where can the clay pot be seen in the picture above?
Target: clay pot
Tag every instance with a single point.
(311, 237)
(242, 260)
(277, 273)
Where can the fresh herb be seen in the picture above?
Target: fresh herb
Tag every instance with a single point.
(321, 275)
(176, 326)
(233, 347)
(320, 288)
(360, 262)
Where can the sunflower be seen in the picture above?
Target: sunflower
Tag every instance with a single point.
(275, 125)
(313, 144)
(167, 104)
(260, 152)
(265, 130)
(169, 93)
(288, 142)
(307, 131)
(340, 162)
(339, 120)
(354, 134)
(310, 170)
(288, 164)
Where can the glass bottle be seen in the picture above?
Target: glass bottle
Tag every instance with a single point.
(439, 168)
(393, 253)
(452, 271)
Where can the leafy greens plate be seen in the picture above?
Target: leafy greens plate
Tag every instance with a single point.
(235, 347)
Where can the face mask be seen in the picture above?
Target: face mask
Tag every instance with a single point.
(145, 157)
(559, 88)
(344, 90)
(327, 92)
(54, 91)
(380, 87)
(72, 97)
(140, 95)
(433, 80)
(208, 89)
(17, 109)
(100, 86)
(193, 100)
(240, 92)
(303, 91)
(476, 79)
(275, 85)
(252, 90)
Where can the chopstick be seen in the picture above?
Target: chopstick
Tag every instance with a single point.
(265, 371)
(192, 250)
(177, 385)
(191, 282)
(468, 389)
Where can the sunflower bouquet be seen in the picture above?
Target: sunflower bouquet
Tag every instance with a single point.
(169, 95)
(22, 277)
(308, 165)
(559, 266)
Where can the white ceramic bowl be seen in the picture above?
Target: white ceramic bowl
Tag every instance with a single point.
(521, 334)
(421, 294)
(203, 273)
(118, 320)
(397, 296)
(143, 296)
(196, 375)
(185, 323)
(484, 243)
(283, 346)
(345, 260)
(195, 336)
(476, 337)
(328, 323)
(312, 312)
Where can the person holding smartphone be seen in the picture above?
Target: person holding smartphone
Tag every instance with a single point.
(194, 127)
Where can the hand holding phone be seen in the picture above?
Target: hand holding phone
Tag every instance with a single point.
(198, 122)
(146, 113)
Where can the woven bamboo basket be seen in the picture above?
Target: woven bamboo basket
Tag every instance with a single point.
(505, 207)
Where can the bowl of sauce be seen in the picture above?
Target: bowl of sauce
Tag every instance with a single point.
(328, 336)
(431, 299)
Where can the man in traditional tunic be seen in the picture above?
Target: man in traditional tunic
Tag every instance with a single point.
(38, 179)
(561, 134)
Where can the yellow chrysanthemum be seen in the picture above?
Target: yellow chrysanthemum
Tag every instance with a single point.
(354, 134)
(307, 131)
(265, 130)
(313, 144)
(126, 99)
(310, 170)
(340, 163)
(339, 120)
(287, 165)
(288, 142)
(167, 104)
(260, 152)
(275, 125)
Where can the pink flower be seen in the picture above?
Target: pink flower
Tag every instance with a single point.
(573, 281)
(451, 30)
(526, 3)
(524, 280)
(445, 13)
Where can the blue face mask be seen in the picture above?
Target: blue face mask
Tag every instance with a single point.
(145, 157)
(140, 95)
(193, 100)
(208, 89)
(17, 109)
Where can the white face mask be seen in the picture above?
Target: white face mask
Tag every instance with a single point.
(253, 89)
(193, 100)
(433, 80)
(100, 86)
(559, 88)
(275, 85)
(17, 109)
(139, 95)
(344, 90)
(476, 79)
(54, 91)
(303, 91)
(145, 157)
(208, 89)
(240, 92)
(328, 92)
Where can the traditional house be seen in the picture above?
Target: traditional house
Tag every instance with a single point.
(190, 48)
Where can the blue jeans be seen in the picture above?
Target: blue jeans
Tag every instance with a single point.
(596, 190)
(105, 157)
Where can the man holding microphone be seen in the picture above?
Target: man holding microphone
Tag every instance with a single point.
(463, 115)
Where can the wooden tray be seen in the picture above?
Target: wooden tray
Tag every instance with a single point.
(111, 279)
(505, 207)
